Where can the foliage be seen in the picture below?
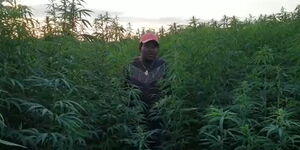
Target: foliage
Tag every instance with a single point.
(232, 84)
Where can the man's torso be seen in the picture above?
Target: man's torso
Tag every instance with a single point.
(146, 78)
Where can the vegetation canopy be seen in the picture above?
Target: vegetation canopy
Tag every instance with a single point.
(234, 84)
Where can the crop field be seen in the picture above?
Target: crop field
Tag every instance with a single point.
(233, 84)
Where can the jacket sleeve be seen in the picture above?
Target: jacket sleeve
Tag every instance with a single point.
(126, 77)
(166, 83)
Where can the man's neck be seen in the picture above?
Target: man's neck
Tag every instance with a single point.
(147, 63)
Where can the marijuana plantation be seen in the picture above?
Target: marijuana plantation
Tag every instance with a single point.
(233, 84)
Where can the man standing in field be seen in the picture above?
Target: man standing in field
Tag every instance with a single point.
(144, 72)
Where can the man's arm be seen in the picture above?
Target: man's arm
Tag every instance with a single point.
(166, 83)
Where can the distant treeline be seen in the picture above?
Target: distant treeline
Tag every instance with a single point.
(69, 17)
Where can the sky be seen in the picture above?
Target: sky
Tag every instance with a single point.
(157, 13)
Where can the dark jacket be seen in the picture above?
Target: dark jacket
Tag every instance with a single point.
(147, 82)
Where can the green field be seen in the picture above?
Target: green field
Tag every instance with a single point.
(234, 84)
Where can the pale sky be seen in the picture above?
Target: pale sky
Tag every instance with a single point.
(155, 13)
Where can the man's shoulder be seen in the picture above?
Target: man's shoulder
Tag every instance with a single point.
(137, 63)
(160, 61)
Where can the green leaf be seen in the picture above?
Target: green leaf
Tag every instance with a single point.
(2, 124)
(41, 138)
(11, 144)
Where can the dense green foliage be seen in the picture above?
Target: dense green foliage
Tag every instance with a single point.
(235, 85)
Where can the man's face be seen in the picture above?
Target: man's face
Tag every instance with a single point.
(149, 50)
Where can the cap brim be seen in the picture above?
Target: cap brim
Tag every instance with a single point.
(145, 41)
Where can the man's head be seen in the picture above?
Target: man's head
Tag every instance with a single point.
(149, 46)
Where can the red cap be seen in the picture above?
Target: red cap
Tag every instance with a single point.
(148, 37)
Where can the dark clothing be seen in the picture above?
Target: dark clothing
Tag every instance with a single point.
(146, 78)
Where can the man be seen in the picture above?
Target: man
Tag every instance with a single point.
(145, 72)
